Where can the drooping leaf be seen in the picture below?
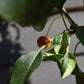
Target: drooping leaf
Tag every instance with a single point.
(39, 27)
(26, 12)
(67, 65)
(60, 3)
(61, 39)
(66, 60)
(63, 65)
(25, 66)
(80, 34)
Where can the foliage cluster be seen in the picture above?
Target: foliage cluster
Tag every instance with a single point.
(35, 13)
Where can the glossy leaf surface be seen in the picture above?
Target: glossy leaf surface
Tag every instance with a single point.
(67, 65)
(58, 39)
(61, 39)
(54, 54)
(58, 52)
(25, 66)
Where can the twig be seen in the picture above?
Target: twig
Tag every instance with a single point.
(76, 48)
(67, 15)
(64, 22)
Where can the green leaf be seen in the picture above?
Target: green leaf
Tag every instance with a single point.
(80, 34)
(39, 27)
(10, 10)
(61, 39)
(54, 54)
(58, 39)
(26, 12)
(25, 66)
(60, 3)
(59, 52)
(65, 39)
(67, 65)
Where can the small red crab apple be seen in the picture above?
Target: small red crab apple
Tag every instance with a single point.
(42, 40)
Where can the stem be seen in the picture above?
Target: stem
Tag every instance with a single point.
(64, 22)
(53, 22)
(67, 15)
(51, 25)
(76, 48)
(77, 71)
